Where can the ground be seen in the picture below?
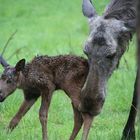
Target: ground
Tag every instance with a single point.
(56, 27)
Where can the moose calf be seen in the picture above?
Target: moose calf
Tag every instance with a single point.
(41, 77)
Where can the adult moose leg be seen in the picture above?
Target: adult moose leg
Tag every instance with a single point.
(129, 130)
(78, 121)
(26, 105)
(43, 112)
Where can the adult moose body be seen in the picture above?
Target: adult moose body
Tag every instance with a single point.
(108, 39)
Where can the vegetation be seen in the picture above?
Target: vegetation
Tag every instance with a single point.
(55, 27)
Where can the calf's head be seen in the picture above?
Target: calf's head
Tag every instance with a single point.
(106, 43)
(10, 78)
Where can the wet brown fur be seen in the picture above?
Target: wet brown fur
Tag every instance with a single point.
(60, 72)
(41, 77)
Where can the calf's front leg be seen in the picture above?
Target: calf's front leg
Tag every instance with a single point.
(78, 121)
(26, 105)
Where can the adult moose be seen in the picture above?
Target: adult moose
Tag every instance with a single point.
(108, 40)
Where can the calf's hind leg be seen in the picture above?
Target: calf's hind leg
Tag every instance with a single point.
(43, 112)
(87, 124)
(78, 121)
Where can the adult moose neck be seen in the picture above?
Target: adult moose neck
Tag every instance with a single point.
(108, 39)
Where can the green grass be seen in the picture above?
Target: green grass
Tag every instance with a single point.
(56, 27)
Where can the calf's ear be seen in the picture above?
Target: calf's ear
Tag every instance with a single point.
(20, 65)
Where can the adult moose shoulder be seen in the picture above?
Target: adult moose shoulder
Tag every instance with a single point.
(107, 41)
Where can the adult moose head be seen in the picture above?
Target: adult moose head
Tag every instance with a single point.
(107, 41)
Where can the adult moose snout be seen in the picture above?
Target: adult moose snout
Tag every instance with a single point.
(93, 92)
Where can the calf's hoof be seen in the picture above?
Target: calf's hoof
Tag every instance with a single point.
(12, 125)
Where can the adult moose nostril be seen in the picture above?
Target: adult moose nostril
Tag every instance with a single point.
(101, 99)
(1, 98)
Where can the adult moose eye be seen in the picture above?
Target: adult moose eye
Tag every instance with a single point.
(3, 77)
(111, 56)
(9, 81)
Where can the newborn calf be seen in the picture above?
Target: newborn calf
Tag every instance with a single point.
(41, 77)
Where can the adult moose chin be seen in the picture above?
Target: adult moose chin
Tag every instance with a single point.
(107, 41)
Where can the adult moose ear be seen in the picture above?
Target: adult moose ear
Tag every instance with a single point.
(130, 25)
(3, 62)
(88, 9)
(20, 65)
